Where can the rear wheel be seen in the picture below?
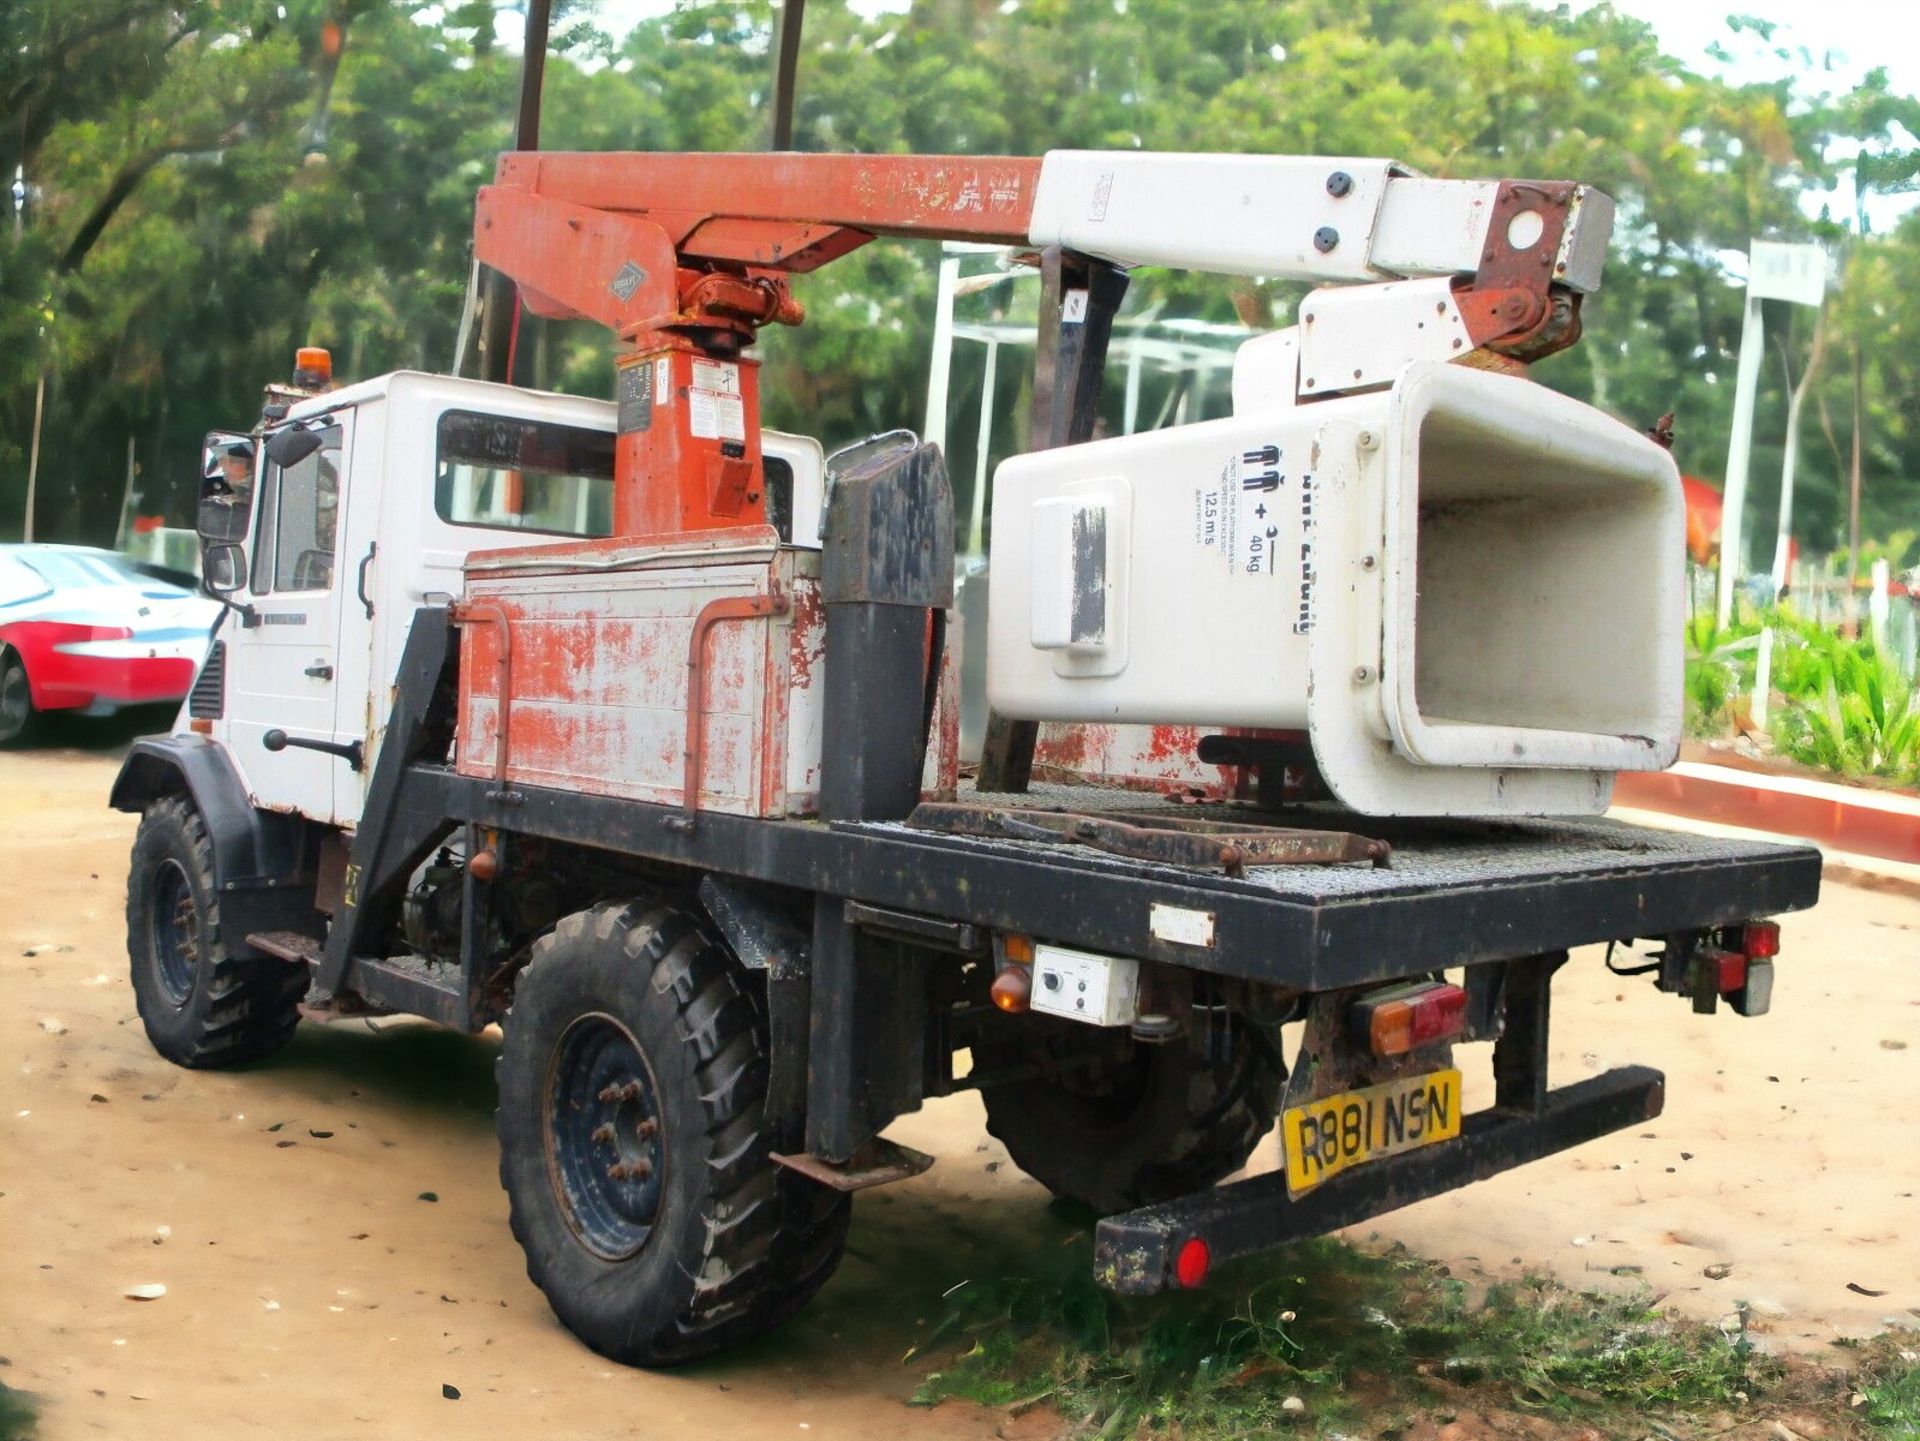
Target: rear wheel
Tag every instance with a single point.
(1127, 1124)
(202, 1007)
(634, 1148)
(16, 698)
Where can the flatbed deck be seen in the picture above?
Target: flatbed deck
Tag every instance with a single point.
(1451, 892)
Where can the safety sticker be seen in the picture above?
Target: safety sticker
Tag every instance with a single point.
(715, 409)
(662, 380)
(717, 375)
(1238, 517)
(715, 415)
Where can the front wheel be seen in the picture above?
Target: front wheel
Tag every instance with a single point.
(202, 1006)
(633, 1142)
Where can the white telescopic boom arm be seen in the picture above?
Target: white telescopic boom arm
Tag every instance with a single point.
(1311, 218)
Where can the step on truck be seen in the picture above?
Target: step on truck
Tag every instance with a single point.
(630, 727)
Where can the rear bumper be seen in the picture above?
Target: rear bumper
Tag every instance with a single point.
(60, 681)
(1134, 1253)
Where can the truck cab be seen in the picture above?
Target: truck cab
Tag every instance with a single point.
(365, 504)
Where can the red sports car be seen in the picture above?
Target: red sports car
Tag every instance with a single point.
(91, 630)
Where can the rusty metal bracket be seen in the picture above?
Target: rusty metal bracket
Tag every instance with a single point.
(464, 613)
(877, 1163)
(289, 946)
(1512, 305)
(1170, 840)
(714, 612)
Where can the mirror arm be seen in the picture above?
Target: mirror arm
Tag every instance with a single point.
(248, 615)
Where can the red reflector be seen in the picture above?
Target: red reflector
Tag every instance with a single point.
(1732, 970)
(1760, 939)
(1190, 1266)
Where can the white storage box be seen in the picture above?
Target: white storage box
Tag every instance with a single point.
(1467, 589)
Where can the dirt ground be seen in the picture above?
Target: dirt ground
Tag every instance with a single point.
(314, 1289)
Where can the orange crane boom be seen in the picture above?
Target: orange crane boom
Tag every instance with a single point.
(685, 256)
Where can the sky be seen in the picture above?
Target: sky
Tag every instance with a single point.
(1844, 38)
(1854, 35)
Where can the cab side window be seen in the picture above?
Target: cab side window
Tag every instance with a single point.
(300, 521)
(509, 474)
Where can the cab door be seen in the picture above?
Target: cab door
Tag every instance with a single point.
(366, 545)
(283, 657)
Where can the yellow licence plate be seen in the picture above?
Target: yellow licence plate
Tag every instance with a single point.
(1323, 1138)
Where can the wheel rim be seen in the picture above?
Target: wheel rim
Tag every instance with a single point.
(176, 931)
(16, 704)
(605, 1153)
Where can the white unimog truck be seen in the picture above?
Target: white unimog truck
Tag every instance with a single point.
(631, 728)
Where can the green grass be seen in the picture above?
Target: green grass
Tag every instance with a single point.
(1844, 708)
(1888, 1381)
(1369, 1344)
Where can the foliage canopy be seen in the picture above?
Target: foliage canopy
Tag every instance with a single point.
(216, 181)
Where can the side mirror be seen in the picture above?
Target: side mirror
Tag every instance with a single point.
(223, 567)
(287, 448)
(222, 519)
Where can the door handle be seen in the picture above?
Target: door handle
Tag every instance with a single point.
(320, 670)
(352, 752)
(360, 586)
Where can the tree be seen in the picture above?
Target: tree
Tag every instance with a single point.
(223, 182)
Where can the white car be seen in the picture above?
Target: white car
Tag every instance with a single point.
(92, 630)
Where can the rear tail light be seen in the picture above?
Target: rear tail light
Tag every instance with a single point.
(1192, 1262)
(1404, 1018)
(1755, 992)
(1739, 969)
(1759, 943)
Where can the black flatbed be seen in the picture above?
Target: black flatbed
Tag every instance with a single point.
(1453, 892)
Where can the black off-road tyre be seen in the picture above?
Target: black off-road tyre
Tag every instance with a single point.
(634, 1147)
(1143, 1124)
(202, 1006)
